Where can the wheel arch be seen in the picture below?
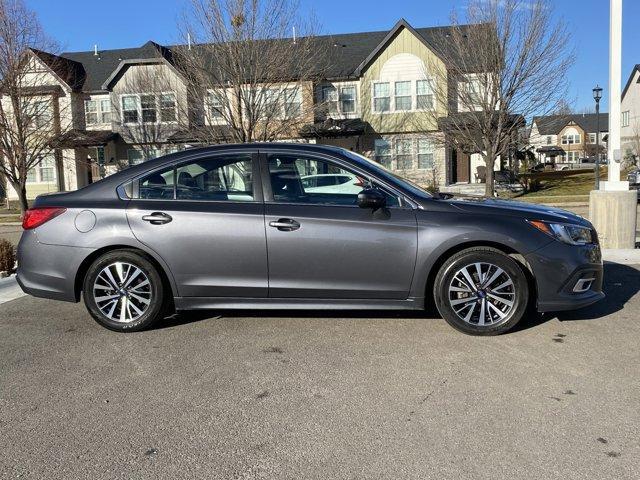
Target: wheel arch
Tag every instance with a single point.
(508, 250)
(167, 279)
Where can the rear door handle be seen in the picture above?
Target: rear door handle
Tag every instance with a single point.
(157, 218)
(285, 225)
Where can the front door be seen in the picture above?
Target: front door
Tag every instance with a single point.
(321, 244)
(205, 218)
(463, 167)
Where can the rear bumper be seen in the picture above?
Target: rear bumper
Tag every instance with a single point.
(48, 271)
(560, 270)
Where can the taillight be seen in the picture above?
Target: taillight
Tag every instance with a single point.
(34, 217)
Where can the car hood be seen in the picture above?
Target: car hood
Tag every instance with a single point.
(531, 211)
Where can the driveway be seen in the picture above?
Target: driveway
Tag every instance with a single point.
(322, 395)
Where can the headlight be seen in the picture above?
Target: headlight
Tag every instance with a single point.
(565, 232)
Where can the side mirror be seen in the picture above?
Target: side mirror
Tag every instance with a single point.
(371, 198)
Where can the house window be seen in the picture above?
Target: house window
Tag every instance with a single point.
(215, 108)
(330, 98)
(404, 154)
(348, 99)
(167, 103)
(572, 157)
(425, 153)
(571, 139)
(97, 111)
(148, 108)
(592, 138)
(625, 118)
(134, 156)
(43, 172)
(549, 140)
(383, 152)
(292, 102)
(403, 96)
(41, 114)
(130, 109)
(424, 95)
(381, 98)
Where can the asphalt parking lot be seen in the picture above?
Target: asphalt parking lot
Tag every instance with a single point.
(294, 395)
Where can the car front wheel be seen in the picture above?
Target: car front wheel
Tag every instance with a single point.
(481, 291)
(123, 291)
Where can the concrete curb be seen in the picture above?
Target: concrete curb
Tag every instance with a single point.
(624, 256)
(9, 289)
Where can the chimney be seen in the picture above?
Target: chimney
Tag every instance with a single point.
(188, 41)
(294, 34)
(95, 50)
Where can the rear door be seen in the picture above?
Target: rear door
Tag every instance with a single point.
(205, 218)
(322, 245)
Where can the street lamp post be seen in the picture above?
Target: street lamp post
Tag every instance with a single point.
(597, 95)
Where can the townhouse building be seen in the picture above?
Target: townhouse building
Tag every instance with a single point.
(565, 139)
(378, 93)
(630, 117)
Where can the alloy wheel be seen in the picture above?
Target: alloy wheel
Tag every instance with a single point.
(122, 292)
(482, 294)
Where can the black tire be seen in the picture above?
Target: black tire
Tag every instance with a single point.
(157, 306)
(446, 278)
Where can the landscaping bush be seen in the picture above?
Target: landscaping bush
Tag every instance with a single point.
(7, 256)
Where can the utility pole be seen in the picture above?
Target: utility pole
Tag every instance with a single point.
(612, 209)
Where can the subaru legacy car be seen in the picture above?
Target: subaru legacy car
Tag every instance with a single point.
(238, 226)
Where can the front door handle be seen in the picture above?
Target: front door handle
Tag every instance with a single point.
(285, 225)
(157, 218)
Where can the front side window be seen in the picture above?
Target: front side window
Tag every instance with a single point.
(404, 151)
(216, 179)
(308, 180)
(381, 97)
(403, 96)
(383, 152)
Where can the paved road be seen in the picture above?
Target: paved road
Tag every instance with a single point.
(286, 395)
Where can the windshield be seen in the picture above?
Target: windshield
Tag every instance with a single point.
(408, 184)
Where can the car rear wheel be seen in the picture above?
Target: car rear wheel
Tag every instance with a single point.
(123, 291)
(481, 291)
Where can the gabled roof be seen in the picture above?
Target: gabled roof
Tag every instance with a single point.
(70, 72)
(347, 52)
(553, 124)
(635, 69)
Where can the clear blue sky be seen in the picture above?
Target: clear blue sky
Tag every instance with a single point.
(78, 24)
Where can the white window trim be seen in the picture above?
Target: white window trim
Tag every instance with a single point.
(624, 119)
(393, 143)
(38, 173)
(392, 96)
(339, 87)
(99, 111)
(156, 96)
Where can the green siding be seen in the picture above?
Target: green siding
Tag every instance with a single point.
(404, 42)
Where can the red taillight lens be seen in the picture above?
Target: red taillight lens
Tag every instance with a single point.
(34, 217)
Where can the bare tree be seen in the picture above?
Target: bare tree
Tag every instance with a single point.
(29, 97)
(505, 67)
(251, 66)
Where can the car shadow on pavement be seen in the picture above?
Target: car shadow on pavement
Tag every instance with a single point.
(621, 283)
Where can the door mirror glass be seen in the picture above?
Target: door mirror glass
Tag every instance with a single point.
(372, 198)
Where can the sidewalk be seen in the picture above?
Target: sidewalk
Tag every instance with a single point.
(9, 289)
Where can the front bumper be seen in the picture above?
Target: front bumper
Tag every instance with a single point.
(562, 271)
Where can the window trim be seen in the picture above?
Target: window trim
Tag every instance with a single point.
(403, 200)
(413, 95)
(99, 111)
(156, 96)
(624, 118)
(258, 192)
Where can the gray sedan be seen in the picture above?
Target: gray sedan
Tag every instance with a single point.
(234, 227)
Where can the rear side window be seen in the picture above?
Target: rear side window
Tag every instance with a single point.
(216, 179)
(158, 185)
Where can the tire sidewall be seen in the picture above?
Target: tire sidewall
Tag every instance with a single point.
(465, 258)
(153, 312)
